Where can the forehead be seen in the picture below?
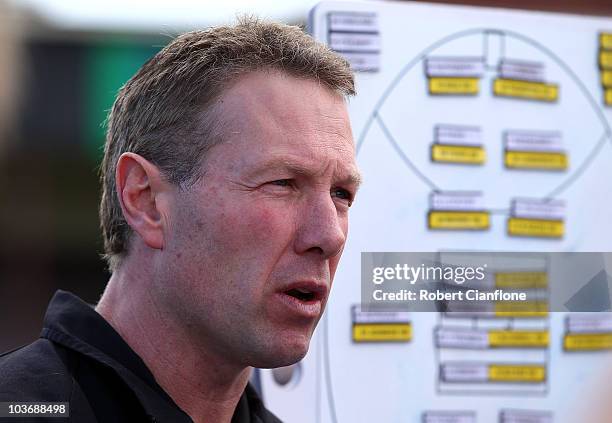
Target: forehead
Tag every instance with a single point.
(274, 117)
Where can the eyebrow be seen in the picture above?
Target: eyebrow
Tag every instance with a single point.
(353, 178)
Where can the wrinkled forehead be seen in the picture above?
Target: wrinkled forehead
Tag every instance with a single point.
(280, 117)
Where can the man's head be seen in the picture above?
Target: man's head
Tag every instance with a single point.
(229, 165)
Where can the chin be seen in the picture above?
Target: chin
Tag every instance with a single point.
(282, 353)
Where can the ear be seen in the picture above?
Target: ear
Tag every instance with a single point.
(140, 186)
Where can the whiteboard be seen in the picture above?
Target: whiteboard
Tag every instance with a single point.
(394, 118)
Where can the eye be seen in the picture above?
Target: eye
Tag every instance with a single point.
(343, 194)
(280, 185)
(282, 182)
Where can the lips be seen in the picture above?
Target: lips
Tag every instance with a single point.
(306, 290)
(304, 298)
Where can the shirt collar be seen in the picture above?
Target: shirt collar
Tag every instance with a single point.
(71, 322)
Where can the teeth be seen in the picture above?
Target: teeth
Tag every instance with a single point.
(303, 291)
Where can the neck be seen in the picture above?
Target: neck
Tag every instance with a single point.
(200, 380)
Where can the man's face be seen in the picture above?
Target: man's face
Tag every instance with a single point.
(252, 248)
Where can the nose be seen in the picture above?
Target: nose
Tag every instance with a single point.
(321, 228)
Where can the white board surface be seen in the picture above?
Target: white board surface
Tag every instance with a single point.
(394, 120)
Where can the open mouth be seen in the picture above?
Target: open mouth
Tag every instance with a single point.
(302, 294)
(304, 298)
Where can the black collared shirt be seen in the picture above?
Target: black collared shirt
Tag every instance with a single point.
(82, 360)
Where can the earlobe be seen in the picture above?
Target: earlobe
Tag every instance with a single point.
(139, 184)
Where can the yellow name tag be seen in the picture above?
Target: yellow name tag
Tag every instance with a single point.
(605, 41)
(458, 220)
(606, 78)
(518, 338)
(458, 154)
(535, 160)
(605, 59)
(517, 373)
(528, 90)
(453, 86)
(587, 341)
(382, 332)
(521, 280)
(521, 309)
(536, 227)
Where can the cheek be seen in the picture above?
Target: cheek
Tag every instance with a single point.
(333, 265)
(262, 220)
(234, 237)
(257, 224)
(334, 261)
(252, 237)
